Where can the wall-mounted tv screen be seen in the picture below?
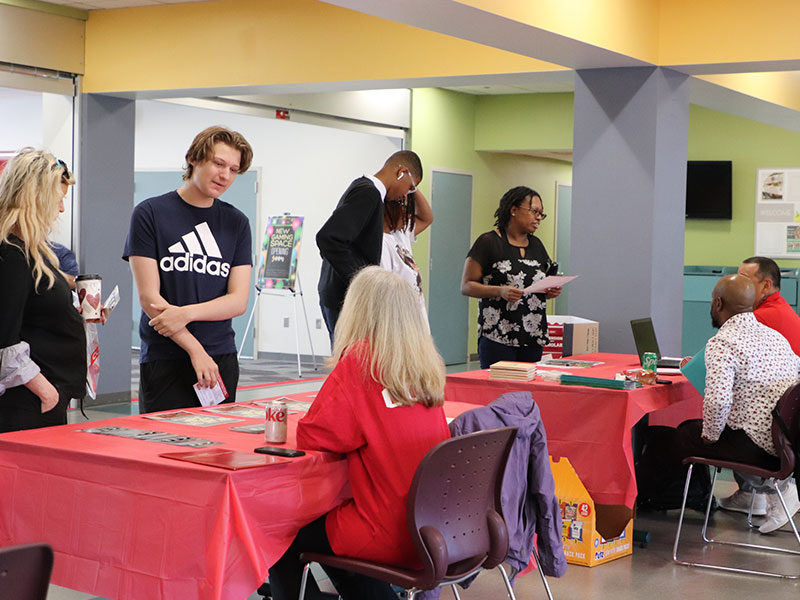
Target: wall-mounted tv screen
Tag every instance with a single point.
(708, 189)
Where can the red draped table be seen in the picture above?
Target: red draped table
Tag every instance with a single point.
(591, 426)
(126, 523)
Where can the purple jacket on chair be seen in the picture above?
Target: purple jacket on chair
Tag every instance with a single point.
(529, 498)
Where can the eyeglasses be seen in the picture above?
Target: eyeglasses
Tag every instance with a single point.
(60, 164)
(536, 213)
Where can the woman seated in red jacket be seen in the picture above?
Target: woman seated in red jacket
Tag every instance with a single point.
(382, 407)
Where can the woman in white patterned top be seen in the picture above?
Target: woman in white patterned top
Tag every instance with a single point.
(403, 221)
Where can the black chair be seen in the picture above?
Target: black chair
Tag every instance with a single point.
(788, 408)
(453, 515)
(25, 571)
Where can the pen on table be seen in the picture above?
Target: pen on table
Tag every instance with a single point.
(664, 381)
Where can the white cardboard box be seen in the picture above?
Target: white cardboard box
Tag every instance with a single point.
(571, 335)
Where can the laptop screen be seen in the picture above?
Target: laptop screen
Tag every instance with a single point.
(645, 337)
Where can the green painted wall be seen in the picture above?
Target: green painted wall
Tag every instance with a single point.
(751, 146)
(547, 122)
(444, 127)
(479, 135)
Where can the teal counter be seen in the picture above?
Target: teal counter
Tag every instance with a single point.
(698, 283)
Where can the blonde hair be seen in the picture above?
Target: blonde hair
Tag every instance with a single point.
(30, 195)
(382, 323)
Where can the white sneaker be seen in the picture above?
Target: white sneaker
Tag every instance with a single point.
(740, 502)
(776, 516)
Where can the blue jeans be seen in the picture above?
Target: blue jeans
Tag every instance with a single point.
(490, 352)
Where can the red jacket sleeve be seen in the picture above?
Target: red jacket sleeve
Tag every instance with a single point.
(331, 422)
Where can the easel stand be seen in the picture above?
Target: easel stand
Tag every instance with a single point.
(296, 294)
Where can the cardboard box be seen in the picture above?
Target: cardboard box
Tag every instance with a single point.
(583, 545)
(571, 335)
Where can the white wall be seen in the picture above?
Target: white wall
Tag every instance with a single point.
(304, 169)
(45, 121)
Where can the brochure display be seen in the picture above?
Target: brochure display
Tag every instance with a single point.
(277, 272)
(778, 213)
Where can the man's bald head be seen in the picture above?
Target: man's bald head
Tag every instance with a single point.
(733, 294)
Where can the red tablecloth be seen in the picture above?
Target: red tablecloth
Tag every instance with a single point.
(591, 426)
(128, 524)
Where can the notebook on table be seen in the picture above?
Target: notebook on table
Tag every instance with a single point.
(645, 337)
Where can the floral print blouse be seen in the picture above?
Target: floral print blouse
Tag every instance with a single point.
(748, 367)
(521, 323)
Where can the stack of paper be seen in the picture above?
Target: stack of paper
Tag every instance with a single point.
(514, 371)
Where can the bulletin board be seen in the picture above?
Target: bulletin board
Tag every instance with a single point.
(777, 218)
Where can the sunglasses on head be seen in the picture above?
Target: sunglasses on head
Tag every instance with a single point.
(60, 164)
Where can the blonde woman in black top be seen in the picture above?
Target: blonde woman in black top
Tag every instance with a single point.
(41, 333)
(500, 264)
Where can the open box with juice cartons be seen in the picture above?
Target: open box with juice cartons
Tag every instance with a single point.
(583, 545)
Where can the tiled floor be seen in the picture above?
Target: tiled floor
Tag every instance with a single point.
(648, 573)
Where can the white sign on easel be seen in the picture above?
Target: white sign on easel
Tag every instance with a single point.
(277, 272)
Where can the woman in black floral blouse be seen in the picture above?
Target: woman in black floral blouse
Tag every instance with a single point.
(500, 264)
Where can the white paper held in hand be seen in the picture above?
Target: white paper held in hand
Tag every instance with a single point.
(211, 396)
(551, 281)
(112, 301)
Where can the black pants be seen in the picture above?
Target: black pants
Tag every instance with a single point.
(662, 460)
(167, 384)
(21, 409)
(286, 574)
(489, 352)
(330, 316)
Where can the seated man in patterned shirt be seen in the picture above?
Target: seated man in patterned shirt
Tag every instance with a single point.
(771, 309)
(748, 367)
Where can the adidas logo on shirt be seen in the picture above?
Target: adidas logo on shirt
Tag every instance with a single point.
(196, 253)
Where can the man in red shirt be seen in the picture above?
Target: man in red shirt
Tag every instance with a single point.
(772, 310)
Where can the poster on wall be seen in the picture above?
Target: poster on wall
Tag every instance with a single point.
(778, 213)
(277, 267)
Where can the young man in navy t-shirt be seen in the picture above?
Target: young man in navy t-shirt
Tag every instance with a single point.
(191, 259)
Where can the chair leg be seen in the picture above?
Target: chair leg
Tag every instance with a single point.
(455, 591)
(541, 574)
(509, 589)
(680, 518)
(708, 506)
(723, 542)
(304, 581)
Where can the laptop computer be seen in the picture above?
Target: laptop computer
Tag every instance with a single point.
(645, 337)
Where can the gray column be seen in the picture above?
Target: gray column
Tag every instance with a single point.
(105, 176)
(629, 188)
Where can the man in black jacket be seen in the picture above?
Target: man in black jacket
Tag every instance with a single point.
(352, 236)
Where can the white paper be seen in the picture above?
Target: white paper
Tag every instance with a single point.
(111, 301)
(209, 396)
(551, 281)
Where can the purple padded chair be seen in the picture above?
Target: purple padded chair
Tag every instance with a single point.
(25, 571)
(788, 408)
(453, 514)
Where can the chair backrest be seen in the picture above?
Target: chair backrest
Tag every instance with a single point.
(25, 571)
(454, 507)
(788, 408)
